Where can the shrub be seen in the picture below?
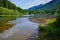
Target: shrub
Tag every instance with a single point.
(9, 14)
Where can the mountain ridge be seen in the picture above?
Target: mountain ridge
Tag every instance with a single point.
(35, 7)
(52, 5)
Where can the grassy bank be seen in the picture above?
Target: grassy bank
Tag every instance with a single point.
(49, 32)
(46, 32)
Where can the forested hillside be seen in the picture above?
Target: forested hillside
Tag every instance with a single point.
(48, 8)
(52, 5)
(7, 4)
(11, 6)
(7, 8)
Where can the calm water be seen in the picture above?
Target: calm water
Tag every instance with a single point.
(23, 29)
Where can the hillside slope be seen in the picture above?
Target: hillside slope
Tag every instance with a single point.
(35, 7)
(52, 5)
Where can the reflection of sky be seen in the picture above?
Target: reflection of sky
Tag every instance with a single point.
(28, 3)
(21, 29)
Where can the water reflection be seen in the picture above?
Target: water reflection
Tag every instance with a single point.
(22, 30)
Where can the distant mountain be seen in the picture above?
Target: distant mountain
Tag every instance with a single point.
(52, 5)
(35, 7)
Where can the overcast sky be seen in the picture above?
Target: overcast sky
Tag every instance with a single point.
(25, 4)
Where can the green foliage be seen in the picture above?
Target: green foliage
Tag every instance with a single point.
(47, 29)
(12, 6)
(36, 12)
(7, 4)
(42, 12)
(10, 14)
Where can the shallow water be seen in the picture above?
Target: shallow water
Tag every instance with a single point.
(23, 29)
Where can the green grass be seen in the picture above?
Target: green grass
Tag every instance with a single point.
(46, 31)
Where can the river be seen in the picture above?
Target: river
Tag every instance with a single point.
(23, 29)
